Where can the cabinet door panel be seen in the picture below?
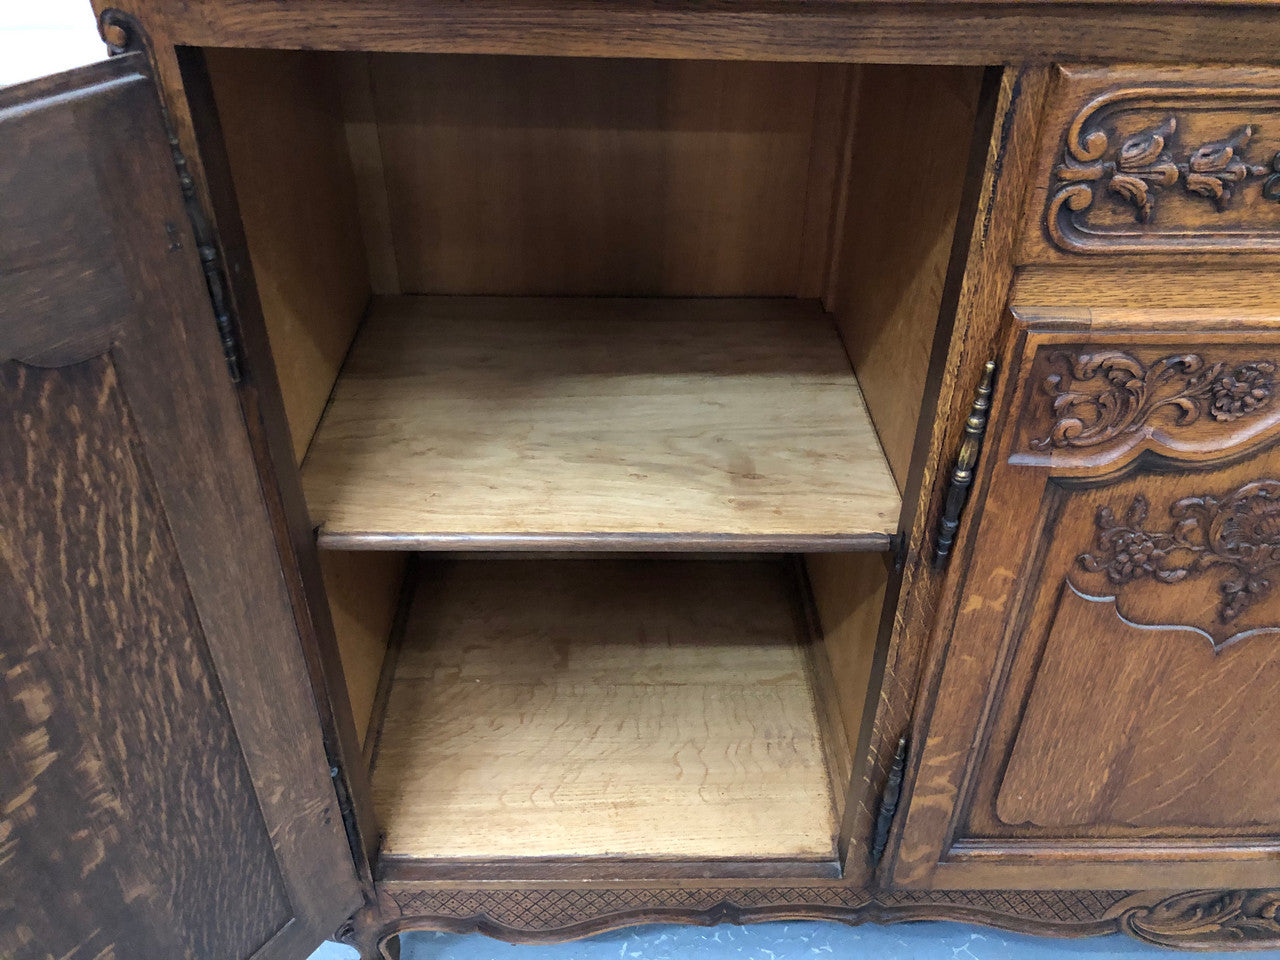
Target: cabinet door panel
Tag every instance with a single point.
(164, 790)
(1111, 685)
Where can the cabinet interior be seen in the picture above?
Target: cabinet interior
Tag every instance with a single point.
(604, 378)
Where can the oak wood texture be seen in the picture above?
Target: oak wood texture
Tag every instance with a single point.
(1160, 161)
(880, 31)
(581, 177)
(513, 423)
(642, 709)
(1121, 293)
(1119, 621)
(888, 271)
(166, 791)
(286, 146)
(971, 319)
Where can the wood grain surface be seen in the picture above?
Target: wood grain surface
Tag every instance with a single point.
(165, 787)
(287, 150)
(889, 268)
(628, 709)
(126, 801)
(879, 31)
(363, 590)
(583, 177)
(1113, 658)
(479, 422)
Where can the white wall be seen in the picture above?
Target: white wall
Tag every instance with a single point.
(39, 37)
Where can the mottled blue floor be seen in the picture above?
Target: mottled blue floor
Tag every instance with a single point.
(792, 941)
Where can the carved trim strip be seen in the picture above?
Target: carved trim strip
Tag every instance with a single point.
(1132, 392)
(1239, 531)
(1139, 168)
(1209, 918)
(546, 915)
(1195, 919)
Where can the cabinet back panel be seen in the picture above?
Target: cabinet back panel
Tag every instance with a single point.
(540, 175)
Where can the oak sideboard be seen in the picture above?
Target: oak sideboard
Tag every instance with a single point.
(538, 466)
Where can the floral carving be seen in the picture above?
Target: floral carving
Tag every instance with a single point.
(1136, 168)
(1242, 391)
(1239, 532)
(1208, 918)
(1143, 164)
(1104, 394)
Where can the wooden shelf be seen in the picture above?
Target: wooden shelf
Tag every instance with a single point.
(526, 423)
(626, 708)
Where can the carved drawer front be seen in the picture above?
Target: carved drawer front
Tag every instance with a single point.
(1158, 161)
(1111, 691)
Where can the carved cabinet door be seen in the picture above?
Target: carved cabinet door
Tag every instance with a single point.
(1107, 688)
(164, 788)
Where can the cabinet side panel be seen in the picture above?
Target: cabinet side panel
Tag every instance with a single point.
(912, 133)
(848, 593)
(363, 590)
(282, 124)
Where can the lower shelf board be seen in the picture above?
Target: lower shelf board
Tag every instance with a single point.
(622, 709)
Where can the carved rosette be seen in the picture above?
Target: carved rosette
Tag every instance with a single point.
(1238, 533)
(1209, 918)
(1109, 164)
(1100, 396)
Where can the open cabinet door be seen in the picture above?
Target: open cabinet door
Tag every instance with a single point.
(164, 787)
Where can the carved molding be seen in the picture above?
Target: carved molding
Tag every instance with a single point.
(1239, 531)
(1103, 395)
(1209, 919)
(547, 914)
(543, 915)
(1107, 166)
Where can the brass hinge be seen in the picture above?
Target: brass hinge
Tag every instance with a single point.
(124, 34)
(210, 263)
(966, 461)
(889, 801)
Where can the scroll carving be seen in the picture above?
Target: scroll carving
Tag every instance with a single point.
(1238, 533)
(1117, 157)
(1102, 395)
(1208, 918)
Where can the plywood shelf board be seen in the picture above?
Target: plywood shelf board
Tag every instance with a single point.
(484, 422)
(625, 708)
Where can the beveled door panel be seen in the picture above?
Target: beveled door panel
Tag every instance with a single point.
(164, 787)
(1106, 709)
